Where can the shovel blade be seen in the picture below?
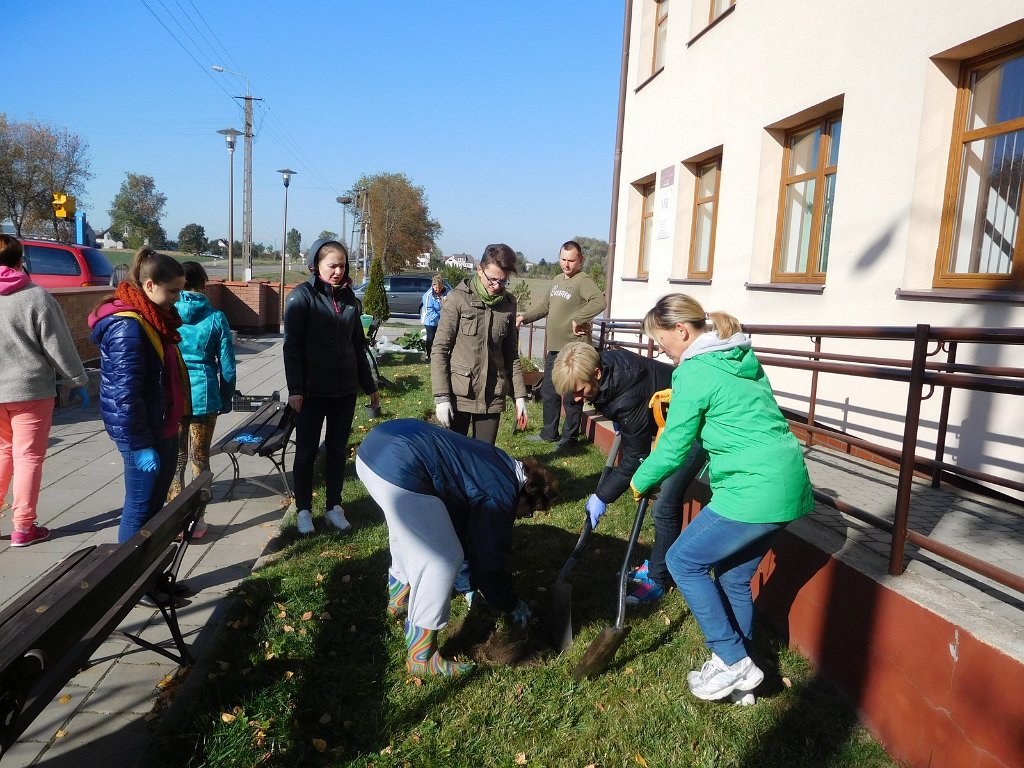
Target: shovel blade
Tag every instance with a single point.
(560, 618)
(600, 653)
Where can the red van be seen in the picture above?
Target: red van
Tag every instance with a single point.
(65, 265)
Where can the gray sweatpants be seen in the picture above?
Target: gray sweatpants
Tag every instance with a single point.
(425, 550)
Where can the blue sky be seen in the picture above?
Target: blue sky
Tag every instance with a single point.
(503, 112)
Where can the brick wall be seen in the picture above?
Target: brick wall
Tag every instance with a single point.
(77, 303)
(251, 308)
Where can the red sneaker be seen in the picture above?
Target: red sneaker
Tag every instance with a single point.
(31, 536)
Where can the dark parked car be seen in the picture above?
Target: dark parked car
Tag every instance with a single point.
(65, 265)
(404, 292)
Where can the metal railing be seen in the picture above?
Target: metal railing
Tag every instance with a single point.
(931, 368)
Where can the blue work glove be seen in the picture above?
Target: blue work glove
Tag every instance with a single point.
(82, 394)
(595, 508)
(147, 460)
(521, 615)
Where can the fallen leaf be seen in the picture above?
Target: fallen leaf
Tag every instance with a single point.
(600, 706)
(325, 616)
(60, 734)
(415, 737)
(319, 578)
(346, 579)
(386, 750)
(520, 758)
(288, 675)
(302, 630)
(227, 717)
(325, 718)
(307, 616)
(270, 655)
(64, 699)
(519, 691)
(414, 681)
(787, 682)
(288, 628)
(282, 615)
(352, 629)
(282, 606)
(319, 745)
(640, 759)
(628, 670)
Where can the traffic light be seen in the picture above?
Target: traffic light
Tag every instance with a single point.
(63, 205)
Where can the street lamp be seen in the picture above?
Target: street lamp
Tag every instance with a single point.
(247, 183)
(286, 174)
(345, 202)
(230, 134)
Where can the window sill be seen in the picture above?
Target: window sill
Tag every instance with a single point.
(690, 280)
(960, 295)
(633, 279)
(654, 74)
(786, 287)
(710, 26)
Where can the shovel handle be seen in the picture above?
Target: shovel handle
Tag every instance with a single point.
(620, 617)
(563, 574)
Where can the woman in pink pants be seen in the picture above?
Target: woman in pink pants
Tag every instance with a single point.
(35, 346)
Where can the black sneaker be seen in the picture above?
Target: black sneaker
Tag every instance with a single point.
(567, 446)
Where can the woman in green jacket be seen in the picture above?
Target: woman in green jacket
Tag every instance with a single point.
(759, 483)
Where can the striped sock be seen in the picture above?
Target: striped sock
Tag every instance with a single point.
(398, 596)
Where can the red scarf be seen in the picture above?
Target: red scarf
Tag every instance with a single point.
(166, 322)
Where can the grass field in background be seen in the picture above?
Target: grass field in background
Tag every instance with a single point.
(309, 668)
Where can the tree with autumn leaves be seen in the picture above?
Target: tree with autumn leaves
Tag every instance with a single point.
(400, 226)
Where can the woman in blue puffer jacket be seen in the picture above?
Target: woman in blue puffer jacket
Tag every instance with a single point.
(209, 357)
(143, 384)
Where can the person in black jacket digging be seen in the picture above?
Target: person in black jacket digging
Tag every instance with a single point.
(325, 365)
(620, 384)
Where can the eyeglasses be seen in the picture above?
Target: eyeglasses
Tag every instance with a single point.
(494, 282)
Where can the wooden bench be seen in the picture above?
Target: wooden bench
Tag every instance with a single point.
(50, 631)
(266, 433)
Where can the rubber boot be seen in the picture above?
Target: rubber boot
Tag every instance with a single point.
(423, 658)
(398, 596)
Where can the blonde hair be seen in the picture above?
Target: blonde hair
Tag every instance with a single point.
(575, 364)
(436, 282)
(680, 308)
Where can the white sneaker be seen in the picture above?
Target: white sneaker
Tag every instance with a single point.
(336, 517)
(304, 521)
(742, 698)
(717, 679)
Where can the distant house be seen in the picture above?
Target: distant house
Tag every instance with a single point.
(104, 240)
(461, 260)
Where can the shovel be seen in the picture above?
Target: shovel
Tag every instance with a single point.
(602, 650)
(560, 617)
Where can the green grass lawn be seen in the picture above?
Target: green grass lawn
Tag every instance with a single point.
(309, 669)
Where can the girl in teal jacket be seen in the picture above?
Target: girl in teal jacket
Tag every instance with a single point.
(759, 483)
(209, 356)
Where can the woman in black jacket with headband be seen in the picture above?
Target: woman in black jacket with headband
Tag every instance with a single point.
(325, 365)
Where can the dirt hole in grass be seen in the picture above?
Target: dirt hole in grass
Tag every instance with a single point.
(491, 641)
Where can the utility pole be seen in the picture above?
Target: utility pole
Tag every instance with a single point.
(247, 184)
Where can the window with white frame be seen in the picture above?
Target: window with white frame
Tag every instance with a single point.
(718, 7)
(980, 244)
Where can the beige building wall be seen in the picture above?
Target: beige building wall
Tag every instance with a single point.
(736, 86)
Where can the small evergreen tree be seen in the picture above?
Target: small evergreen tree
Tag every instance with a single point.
(375, 300)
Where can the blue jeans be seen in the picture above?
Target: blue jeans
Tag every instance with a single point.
(723, 606)
(146, 492)
(338, 412)
(667, 513)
